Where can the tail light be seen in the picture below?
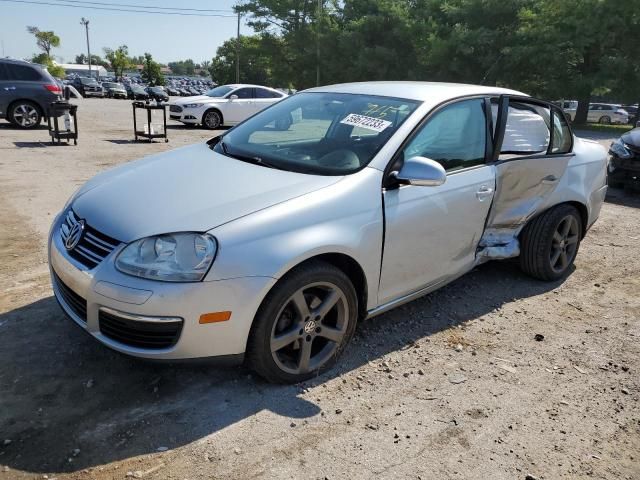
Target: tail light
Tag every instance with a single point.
(53, 88)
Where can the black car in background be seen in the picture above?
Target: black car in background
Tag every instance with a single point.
(624, 160)
(114, 90)
(88, 87)
(632, 110)
(158, 94)
(26, 91)
(173, 91)
(135, 92)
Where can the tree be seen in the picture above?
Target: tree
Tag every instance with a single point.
(151, 73)
(45, 40)
(574, 47)
(52, 68)
(119, 60)
(254, 64)
(81, 59)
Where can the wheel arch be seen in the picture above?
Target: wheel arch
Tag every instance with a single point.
(216, 109)
(582, 210)
(27, 100)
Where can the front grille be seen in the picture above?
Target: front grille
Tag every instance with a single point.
(151, 335)
(175, 108)
(74, 301)
(92, 247)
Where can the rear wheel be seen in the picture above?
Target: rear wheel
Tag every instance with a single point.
(25, 114)
(303, 325)
(550, 243)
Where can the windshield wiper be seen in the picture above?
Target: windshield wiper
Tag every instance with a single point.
(247, 158)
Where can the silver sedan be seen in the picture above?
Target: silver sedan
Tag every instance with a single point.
(269, 243)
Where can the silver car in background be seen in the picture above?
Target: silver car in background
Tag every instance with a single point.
(270, 243)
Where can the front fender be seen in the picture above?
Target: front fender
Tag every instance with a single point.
(345, 218)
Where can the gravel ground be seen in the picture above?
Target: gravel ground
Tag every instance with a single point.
(453, 385)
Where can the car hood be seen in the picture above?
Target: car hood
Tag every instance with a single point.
(189, 189)
(632, 137)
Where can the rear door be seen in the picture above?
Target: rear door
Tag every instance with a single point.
(533, 148)
(264, 98)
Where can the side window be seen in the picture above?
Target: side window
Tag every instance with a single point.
(263, 93)
(4, 75)
(244, 93)
(562, 140)
(24, 72)
(455, 136)
(527, 130)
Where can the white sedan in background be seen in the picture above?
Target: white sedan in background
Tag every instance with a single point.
(224, 105)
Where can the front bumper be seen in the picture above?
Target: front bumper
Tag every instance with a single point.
(106, 289)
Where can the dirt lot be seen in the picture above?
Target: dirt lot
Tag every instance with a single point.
(450, 386)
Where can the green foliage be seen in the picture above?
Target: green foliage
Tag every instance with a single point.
(119, 60)
(151, 73)
(45, 40)
(183, 67)
(52, 68)
(570, 49)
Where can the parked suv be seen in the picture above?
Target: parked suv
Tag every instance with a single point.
(88, 87)
(26, 91)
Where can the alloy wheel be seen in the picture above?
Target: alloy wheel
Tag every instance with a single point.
(212, 120)
(25, 115)
(564, 244)
(309, 328)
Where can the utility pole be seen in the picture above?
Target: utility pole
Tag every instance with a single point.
(85, 22)
(318, 14)
(238, 51)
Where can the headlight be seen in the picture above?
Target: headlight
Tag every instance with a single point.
(193, 105)
(619, 149)
(175, 257)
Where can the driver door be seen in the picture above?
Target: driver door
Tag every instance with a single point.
(240, 108)
(431, 233)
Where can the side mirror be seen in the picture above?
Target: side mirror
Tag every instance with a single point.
(421, 171)
(233, 97)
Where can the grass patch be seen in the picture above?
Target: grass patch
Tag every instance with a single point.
(596, 127)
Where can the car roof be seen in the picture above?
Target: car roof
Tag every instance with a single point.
(431, 92)
(243, 85)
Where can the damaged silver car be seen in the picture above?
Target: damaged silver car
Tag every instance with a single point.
(270, 242)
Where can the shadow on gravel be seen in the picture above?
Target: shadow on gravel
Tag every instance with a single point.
(36, 144)
(626, 197)
(62, 391)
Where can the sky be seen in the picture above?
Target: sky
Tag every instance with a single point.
(166, 37)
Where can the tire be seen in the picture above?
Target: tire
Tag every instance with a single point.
(24, 114)
(605, 120)
(314, 338)
(212, 119)
(546, 252)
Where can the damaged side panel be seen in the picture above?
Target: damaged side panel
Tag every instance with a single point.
(522, 188)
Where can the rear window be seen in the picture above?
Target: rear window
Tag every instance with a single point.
(23, 72)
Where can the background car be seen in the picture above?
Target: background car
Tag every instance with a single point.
(624, 161)
(224, 105)
(632, 110)
(114, 90)
(26, 91)
(88, 87)
(157, 93)
(173, 91)
(135, 92)
(605, 114)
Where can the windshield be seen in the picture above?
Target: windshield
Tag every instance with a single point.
(321, 133)
(112, 85)
(219, 91)
(88, 81)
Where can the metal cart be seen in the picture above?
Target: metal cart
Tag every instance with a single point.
(149, 133)
(58, 109)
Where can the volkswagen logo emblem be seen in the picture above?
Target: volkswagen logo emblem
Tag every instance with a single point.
(74, 235)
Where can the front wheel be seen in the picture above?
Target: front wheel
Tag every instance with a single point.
(550, 243)
(605, 120)
(303, 325)
(212, 119)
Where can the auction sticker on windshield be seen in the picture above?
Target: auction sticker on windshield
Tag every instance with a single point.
(363, 121)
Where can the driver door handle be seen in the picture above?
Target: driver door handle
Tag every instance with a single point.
(9, 88)
(484, 192)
